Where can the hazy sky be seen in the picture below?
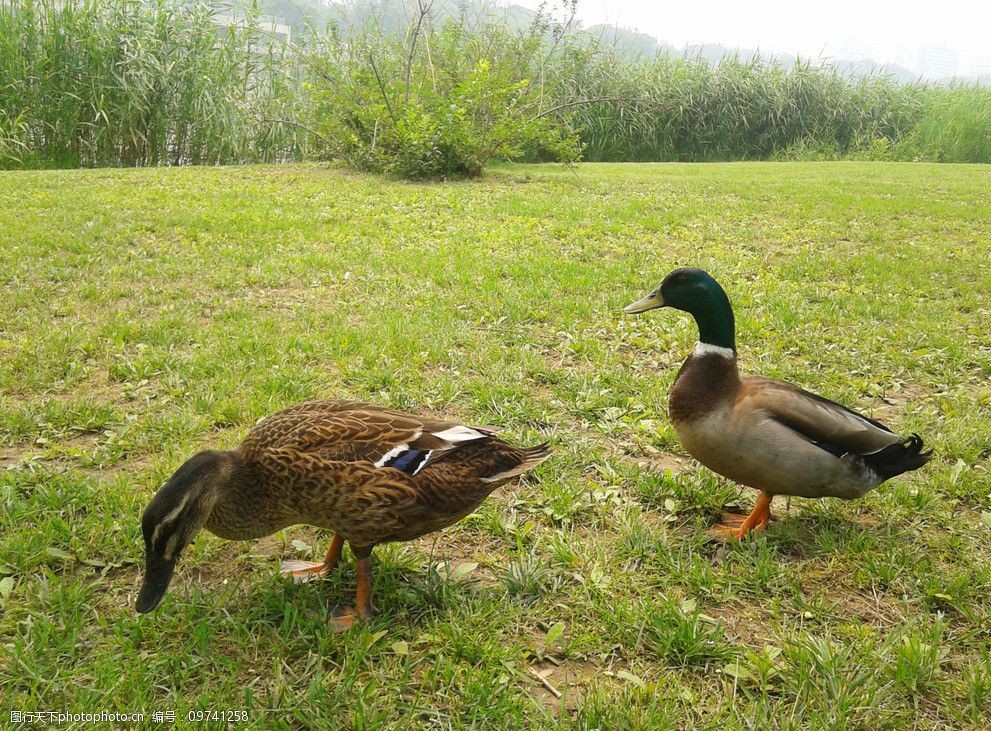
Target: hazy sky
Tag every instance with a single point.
(887, 31)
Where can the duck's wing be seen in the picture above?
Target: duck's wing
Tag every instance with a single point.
(827, 424)
(353, 431)
(384, 475)
(372, 504)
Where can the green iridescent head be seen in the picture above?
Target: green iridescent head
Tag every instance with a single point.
(694, 291)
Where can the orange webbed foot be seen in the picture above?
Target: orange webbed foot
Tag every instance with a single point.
(732, 520)
(302, 572)
(734, 526)
(343, 621)
(347, 617)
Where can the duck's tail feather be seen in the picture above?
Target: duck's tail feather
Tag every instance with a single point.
(531, 457)
(903, 456)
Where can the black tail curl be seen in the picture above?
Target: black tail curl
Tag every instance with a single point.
(895, 459)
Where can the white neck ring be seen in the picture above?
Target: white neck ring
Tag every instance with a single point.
(709, 349)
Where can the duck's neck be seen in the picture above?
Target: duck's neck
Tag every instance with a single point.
(717, 329)
(245, 509)
(709, 376)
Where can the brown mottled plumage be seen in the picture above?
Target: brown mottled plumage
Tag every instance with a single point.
(370, 474)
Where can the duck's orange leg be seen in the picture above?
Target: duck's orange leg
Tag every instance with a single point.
(363, 608)
(363, 602)
(304, 571)
(736, 526)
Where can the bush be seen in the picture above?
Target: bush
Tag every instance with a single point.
(439, 102)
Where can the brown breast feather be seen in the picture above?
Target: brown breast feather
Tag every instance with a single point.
(702, 383)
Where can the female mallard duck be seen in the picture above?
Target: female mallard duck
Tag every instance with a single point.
(368, 473)
(767, 434)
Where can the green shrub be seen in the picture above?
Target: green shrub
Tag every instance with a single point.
(440, 102)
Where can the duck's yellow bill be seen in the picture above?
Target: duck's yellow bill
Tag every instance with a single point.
(650, 302)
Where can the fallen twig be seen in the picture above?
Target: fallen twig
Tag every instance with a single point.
(545, 682)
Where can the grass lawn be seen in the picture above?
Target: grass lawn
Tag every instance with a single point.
(148, 314)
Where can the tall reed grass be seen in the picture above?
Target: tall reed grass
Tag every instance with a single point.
(686, 109)
(165, 82)
(953, 126)
(126, 82)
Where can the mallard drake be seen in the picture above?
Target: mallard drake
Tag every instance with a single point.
(767, 434)
(368, 473)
